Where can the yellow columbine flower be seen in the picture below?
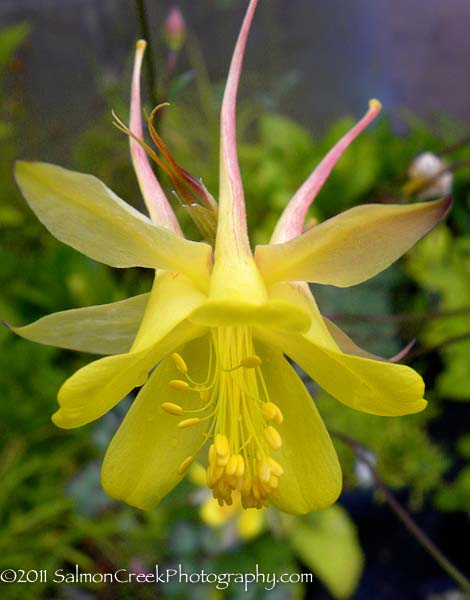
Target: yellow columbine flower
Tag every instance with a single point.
(208, 343)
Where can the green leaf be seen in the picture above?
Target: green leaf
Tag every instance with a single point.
(440, 263)
(455, 496)
(463, 445)
(327, 543)
(10, 39)
(281, 134)
(179, 84)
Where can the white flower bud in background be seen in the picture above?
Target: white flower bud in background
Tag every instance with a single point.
(428, 177)
(363, 471)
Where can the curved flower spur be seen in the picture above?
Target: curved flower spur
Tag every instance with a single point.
(208, 343)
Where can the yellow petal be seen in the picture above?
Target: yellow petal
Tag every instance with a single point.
(215, 515)
(299, 295)
(312, 474)
(104, 329)
(351, 247)
(251, 523)
(235, 276)
(348, 346)
(278, 314)
(82, 212)
(345, 343)
(142, 461)
(376, 387)
(98, 387)
(172, 299)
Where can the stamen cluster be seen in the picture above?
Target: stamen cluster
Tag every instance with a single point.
(241, 419)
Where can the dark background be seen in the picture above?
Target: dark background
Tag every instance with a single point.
(313, 60)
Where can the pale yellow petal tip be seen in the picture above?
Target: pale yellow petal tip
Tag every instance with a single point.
(375, 104)
(421, 405)
(30, 168)
(21, 165)
(68, 418)
(138, 500)
(60, 421)
(409, 409)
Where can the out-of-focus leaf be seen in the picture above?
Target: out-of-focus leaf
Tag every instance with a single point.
(463, 446)
(327, 543)
(407, 456)
(441, 265)
(179, 84)
(456, 495)
(10, 217)
(10, 40)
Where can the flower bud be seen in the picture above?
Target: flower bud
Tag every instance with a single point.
(428, 177)
(175, 29)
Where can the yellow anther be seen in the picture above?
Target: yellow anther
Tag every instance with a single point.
(247, 483)
(272, 412)
(212, 454)
(375, 104)
(273, 437)
(209, 477)
(239, 441)
(278, 417)
(222, 460)
(189, 422)
(179, 363)
(179, 384)
(205, 396)
(275, 467)
(172, 409)
(240, 466)
(273, 482)
(251, 362)
(216, 472)
(232, 464)
(268, 411)
(184, 466)
(264, 471)
(222, 446)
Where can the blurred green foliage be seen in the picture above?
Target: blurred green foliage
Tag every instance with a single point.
(53, 513)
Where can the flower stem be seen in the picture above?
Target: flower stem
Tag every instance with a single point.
(403, 318)
(461, 143)
(363, 454)
(447, 342)
(145, 34)
(428, 181)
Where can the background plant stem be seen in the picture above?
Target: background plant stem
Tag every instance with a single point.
(149, 63)
(363, 454)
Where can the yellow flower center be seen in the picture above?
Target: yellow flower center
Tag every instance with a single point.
(240, 416)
